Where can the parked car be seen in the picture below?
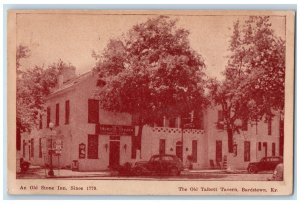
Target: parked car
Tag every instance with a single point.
(265, 164)
(159, 165)
(278, 173)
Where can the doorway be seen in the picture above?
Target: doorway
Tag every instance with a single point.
(179, 150)
(114, 154)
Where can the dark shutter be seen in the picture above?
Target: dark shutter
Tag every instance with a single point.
(57, 115)
(218, 151)
(273, 149)
(67, 112)
(162, 146)
(40, 148)
(246, 151)
(93, 146)
(245, 125)
(93, 111)
(32, 147)
(48, 116)
(269, 126)
(194, 150)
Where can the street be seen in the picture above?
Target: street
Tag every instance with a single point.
(213, 175)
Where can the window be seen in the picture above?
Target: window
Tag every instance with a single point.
(172, 122)
(269, 126)
(220, 115)
(246, 151)
(67, 112)
(93, 146)
(194, 150)
(32, 147)
(41, 122)
(40, 148)
(201, 121)
(273, 149)
(259, 146)
(93, 111)
(57, 114)
(245, 125)
(220, 123)
(48, 116)
(218, 151)
(162, 146)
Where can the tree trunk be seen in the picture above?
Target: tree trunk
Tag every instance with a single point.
(230, 140)
(139, 138)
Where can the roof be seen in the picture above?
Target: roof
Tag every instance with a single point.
(71, 83)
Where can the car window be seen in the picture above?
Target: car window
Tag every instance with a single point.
(263, 160)
(155, 158)
(167, 158)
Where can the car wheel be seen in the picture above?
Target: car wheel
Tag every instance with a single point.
(252, 169)
(138, 172)
(174, 171)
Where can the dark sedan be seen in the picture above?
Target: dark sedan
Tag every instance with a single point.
(159, 165)
(265, 164)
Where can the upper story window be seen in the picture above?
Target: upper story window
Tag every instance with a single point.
(57, 114)
(220, 124)
(67, 112)
(220, 115)
(93, 111)
(245, 125)
(172, 122)
(48, 116)
(269, 126)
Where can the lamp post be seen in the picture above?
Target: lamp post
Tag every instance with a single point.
(51, 172)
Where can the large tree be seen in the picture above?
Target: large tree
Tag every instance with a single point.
(33, 85)
(151, 72)
(254, 76)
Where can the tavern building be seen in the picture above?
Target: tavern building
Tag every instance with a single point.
(87, 138)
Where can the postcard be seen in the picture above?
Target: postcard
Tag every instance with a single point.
(146, 102)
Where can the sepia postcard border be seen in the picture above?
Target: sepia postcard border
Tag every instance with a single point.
(136, 187)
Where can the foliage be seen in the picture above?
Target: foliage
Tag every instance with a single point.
(254, 75)
(33, 85)
(152, 72)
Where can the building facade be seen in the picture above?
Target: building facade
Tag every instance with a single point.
(87, 138)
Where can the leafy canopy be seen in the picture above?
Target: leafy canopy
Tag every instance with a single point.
(152, 71)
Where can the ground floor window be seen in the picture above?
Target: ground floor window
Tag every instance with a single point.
(40, 148)
(218, 151)
(194, 150)
(24, 146)
(32, 147)
(273, 149)
(93, 144)
(162, 146)
(246, 151)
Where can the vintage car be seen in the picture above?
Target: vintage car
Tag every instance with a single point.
(157, 165)
(265, 164)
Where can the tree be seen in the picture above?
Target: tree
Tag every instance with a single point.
(151, 72)
(33, 85)
(254, 76)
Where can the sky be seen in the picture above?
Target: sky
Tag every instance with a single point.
(73, 37)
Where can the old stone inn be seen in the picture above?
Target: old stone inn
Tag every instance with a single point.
(87, 138)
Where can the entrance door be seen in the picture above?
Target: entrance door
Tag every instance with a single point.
(114, 153)
(179, 150)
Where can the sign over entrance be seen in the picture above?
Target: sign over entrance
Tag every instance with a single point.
(114, 130)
